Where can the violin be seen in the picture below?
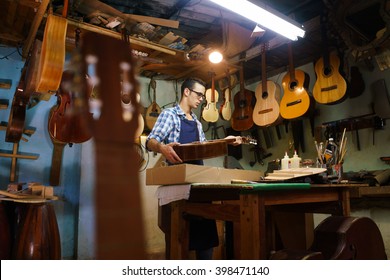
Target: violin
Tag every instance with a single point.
(68, 123)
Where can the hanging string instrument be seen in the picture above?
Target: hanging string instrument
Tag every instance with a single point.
(226, 107)
(154, 110)
(210, 111)
(242, 117)
(295, 102)
(266, 111)
(21, 99)
(330, 87)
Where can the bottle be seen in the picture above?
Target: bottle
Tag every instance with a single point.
(330, 153)
(295, 161)
(286, 162)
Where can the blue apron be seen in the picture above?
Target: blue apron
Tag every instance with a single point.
(189, 133)
(202, 232)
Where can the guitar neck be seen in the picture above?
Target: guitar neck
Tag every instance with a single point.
(291, 62)
(263, 71)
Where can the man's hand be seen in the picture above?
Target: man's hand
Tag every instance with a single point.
(238, 140)
(169, 153)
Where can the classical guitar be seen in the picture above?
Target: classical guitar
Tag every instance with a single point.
(117, 183)
(154, 110)
(296, 101)
(208, 149)
(266, 111)
(52, 57)
(330, 87)
(225, 110)
(210, 111)
(24, 90)
(242, 117)
(349, 238)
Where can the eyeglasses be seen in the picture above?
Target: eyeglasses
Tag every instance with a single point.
(199, 94)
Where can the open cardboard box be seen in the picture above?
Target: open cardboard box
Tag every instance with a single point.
(190, 173)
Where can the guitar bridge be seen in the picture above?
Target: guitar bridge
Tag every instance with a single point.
(294, 102)
(329, 88)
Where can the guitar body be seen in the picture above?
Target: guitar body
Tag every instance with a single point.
(226, 108)
(21, 99)
(52, 57)
(210, 111)
(207, 149)
(266, 111)
(349, 238)
(152, 113)
(330, 87)
(242, 117)
(295, 102)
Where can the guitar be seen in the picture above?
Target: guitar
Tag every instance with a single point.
(349, 238)
(242, 117)
(153, 111)
(210, 111)
(330, 87)
(207, 149)
(266, 111)
(295, 102)
(117, 184)
(24, 90)
(225, 110)
(52, 58)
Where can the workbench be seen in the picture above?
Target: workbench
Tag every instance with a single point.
(246, 206)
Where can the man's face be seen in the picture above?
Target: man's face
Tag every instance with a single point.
(196, 95)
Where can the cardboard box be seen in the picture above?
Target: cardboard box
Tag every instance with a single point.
(189, 173)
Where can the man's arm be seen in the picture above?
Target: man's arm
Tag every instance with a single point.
(166, 150)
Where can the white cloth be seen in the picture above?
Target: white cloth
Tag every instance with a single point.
(167, 194)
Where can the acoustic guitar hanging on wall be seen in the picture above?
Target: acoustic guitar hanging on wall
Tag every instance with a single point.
(295, 102)
(52, 57)
(242, 117)
(330, 87)
(266, 111)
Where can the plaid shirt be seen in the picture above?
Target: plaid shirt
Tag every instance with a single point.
(167, 127)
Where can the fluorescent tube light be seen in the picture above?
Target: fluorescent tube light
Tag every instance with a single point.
(264, 16)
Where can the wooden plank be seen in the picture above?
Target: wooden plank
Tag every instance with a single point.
(34, 27)
(5, 83)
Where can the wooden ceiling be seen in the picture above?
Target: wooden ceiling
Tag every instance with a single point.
(172, 38)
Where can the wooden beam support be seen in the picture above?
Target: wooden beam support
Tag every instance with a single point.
(34, 27)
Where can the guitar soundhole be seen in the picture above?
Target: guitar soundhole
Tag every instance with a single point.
(242, 103)
(264, 95)
(293, 85)
(327, 71)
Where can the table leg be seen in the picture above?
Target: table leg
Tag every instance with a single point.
(179, 232)
(253, 229)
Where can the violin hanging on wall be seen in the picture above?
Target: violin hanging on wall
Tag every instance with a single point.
(210, 111)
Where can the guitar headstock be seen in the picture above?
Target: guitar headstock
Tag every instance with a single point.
(249, 140)
(108, 63)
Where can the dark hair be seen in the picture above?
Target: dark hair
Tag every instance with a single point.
(190, 82)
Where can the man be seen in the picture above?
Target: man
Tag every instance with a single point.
(179, 125)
